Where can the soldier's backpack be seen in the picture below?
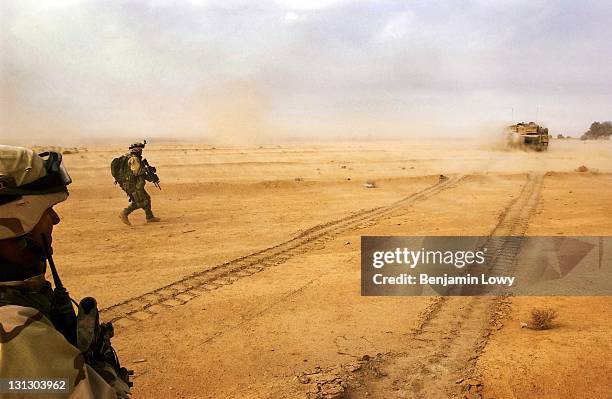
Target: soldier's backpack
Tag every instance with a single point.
(121, 170)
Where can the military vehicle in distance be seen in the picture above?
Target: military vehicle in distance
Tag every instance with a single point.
(528, 136)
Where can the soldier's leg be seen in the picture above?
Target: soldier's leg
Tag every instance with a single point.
(147, 205)
(144, 201)
(150, 217)
(131, 208)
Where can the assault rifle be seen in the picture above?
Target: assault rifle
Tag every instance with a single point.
(94, 341)
(150, 173)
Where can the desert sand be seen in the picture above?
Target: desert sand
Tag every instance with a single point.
(289, 322)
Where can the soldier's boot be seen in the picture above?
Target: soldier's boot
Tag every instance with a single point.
(124, 214)
(150, 217)
(124, 218)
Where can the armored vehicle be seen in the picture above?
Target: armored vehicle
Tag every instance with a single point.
(528, 135)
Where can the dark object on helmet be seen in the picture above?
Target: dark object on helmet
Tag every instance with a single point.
(138, 145)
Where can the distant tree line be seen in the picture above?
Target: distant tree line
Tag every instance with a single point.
(598, 130)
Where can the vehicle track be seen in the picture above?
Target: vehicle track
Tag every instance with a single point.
(181, 291)
(450, 335)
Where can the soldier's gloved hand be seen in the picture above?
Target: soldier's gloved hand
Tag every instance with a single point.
(153, 169)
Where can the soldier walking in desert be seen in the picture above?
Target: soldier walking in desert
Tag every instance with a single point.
(132, 172)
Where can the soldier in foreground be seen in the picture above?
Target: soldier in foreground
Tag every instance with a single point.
(43, 343)
(131, 172)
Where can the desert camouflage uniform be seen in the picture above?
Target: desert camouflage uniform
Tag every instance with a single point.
(140, 199)
(31, 348)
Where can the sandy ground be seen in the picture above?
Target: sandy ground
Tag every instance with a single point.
(251, 339)
(573, 360)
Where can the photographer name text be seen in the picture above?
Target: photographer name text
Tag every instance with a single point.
(444, 280)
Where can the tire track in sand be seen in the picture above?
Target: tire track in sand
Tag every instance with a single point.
(179, 292)
(441, 351)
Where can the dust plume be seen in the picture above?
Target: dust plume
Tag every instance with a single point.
(234, 112)
(492, 135)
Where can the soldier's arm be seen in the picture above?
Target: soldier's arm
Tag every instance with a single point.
(135, 166)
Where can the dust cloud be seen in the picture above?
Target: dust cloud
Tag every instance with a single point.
(234, 113)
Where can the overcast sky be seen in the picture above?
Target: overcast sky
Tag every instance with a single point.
(293, 68)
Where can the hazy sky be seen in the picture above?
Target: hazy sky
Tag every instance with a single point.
(256, 69)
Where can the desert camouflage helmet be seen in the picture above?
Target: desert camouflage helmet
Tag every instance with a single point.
(137, 145)
(29, 185)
